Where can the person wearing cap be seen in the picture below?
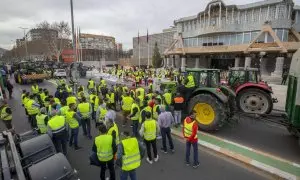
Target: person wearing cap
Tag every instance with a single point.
(190, 130)
(103, 152)
(149, 130)
(165, 120)
(6, 114)
(57, 130)
(129, 155)
(41, 121)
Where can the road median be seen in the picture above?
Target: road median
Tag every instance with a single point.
(263, 161)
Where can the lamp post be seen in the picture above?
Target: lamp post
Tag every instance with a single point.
(25, 41)
(72, 24)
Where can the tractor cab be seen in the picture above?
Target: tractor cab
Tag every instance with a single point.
(239, 76)
(204, 77)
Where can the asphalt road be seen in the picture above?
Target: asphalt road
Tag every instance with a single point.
(170, 166)
(261, 135)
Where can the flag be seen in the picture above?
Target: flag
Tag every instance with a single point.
(138, 37)
(147, 36)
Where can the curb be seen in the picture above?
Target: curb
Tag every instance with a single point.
(244, 159)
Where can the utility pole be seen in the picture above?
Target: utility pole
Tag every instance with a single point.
(25, 41)
(73, 34)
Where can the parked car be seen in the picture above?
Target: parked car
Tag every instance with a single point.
(60, 73)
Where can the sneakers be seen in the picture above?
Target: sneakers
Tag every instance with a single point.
(156, 159)
(162, 150)
(187, 164)
(196, 165)
(172, 151)
(149, 161)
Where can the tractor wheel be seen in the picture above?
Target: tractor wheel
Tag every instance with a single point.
(254, 101)
(210, 112)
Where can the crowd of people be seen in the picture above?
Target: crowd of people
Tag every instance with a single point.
(150, 113)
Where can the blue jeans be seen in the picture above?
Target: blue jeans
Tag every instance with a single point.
(86, 127)
(187, 153)
(135, 126)
(124, 175)
(74, 137)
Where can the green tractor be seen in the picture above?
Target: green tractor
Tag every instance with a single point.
(211, 103)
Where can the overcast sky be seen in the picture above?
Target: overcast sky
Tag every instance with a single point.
(119, 18)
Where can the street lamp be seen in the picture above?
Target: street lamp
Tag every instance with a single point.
(72, 24)
(25, 41)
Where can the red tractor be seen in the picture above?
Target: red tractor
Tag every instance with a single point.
(253, 95)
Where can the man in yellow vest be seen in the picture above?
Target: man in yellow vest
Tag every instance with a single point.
(104, 149)
(6, 114)
(91, 85)
(129, 155)
(42, 120)
(92, 102)
(71, 99)
(189, 85)
(113, 130)
(57, 129)
(72, 119)
(101, 113)
(190, 130)
(126, 107)
(135, 116)
(167, 97)
(85, 110)
(35, 89)
(33, 108)
(111, 98)
(141, 99)
(148, 131)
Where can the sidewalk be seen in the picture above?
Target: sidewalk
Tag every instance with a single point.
(263, 161)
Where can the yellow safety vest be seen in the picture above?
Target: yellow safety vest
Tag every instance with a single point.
(191, 82)
(127, 103)
(142, 91)
(30, 109)
(22, 96)
(188, 129)
(104, 147)
(96, 105)
(147, 109)
(40, 121)
(91, 84)
(111, 97)
(42, 96)
(57, 101)
(103, 82)
(141, 98)
(102, 114)
(155, 113)
(92, 101)
(84, 109)
(150, 129)
(69, 89)
(70, 100)
(131, 158)
(63, 110)
(125, 89)
(115, 127)
(137, 114)
(73, 123)
(4, 115)
(35, 89)
(168, 98)
(57, 124)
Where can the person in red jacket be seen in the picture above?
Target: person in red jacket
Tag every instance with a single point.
(190, 130)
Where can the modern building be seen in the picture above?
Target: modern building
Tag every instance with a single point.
(41, 34)
(143, 50)
(262, 34)
(100, 42)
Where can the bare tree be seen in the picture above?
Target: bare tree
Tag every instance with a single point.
(56, 36)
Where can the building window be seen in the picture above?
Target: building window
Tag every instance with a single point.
(272, 12)
(285, 35)
(253, 35)
(226, 40)
(247, 37)
(185, 42)
(281, 11)
(239, 38)
(279, 33)
(232, 39)
(269, 38)
(221, 39)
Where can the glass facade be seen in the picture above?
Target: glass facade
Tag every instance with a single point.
(234, 39)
